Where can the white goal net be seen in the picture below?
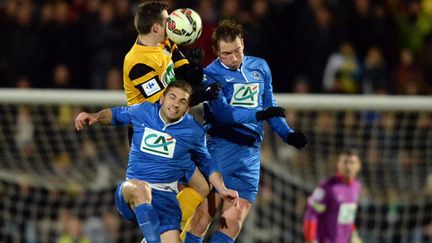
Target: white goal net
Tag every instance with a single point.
(57, 183)
(393, 135)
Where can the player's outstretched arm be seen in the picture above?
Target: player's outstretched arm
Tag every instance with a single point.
(227, 194)
(83, 118)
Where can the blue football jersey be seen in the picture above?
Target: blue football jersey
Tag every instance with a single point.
(161, 153)
(244, 92)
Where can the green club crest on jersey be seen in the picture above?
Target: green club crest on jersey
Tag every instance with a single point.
(169, 76)
(347, 212)
(158, 143)
(245, 95)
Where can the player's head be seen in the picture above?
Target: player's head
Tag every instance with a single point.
(175, 100)
(151, 17)
(227, 40)
(348, 164)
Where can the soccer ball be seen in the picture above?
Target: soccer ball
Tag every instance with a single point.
(184, 26)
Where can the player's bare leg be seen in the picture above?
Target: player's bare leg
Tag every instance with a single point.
(136, 192)
(203, 217)
(233, 216)
(171, 236)
(199, 183)
(138, 195)
(190, 197)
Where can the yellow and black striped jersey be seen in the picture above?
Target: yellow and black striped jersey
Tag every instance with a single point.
(147, 70)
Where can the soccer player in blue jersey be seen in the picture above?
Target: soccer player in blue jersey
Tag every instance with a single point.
(331, 209)
(235, 128)
(150, 65)
(165, 142)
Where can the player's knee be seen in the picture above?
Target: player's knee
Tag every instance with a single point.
(141, 192)
(233, 226)
(233, 221)
(199, 226)
(200, 222)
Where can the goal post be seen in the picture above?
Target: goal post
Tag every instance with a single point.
(295, 101)
(61, 96)
(51, 175)
(355, 102)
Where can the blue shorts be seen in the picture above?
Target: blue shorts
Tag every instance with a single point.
(239, 166)
(164, 203)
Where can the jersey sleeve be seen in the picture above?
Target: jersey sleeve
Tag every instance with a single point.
(225, 112)
(121, 115)
(278, 124)
(316, 205)
(177, 56)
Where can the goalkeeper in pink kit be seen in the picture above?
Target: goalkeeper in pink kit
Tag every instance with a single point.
(331, 209)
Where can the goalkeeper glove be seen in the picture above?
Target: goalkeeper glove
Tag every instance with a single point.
(270, 112)
(195, 56)
(209, 93)
(296, 139)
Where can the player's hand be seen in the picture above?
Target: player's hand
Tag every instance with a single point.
(212, 91)
(195, 56)
(209, 93)
(296, 139)
(355, 238)
(270, 112)
(229, 196)
(84, 118)
(231, 213)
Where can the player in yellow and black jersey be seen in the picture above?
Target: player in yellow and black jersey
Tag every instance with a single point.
(152, 63)
(149, 69)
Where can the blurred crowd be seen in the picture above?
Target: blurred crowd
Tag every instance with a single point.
(312, 46)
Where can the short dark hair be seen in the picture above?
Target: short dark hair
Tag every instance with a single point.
(227, 30)
(181, 84)
(350, 152)
(147, 14)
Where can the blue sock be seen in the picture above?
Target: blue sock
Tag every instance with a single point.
(220, 237)
(190, 238)
(148, 222)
